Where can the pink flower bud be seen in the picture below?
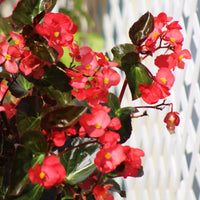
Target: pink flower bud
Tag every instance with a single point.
(172, 119)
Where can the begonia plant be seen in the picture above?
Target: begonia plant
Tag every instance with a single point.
(63, 132)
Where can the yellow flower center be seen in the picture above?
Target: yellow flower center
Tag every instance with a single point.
(106, 58)
(88, 66)
(42, 175)
(105, 194)
(56, 34)
(8, 57)
(108, 155)
(97, 125)
(163, 80)
(180, 58)
(172, 40)
(106, 80)
(155, 34)
(17, 42)
(95, 96)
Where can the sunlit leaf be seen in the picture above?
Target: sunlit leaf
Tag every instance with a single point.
(79, 162)
(22, 162)
(21, 87)
(34, 141)
(121, 50)
(6, 25)
(142, 28)
(26, 10)
(61, 118)
(28, 110)
(39, 45)
(136, 74)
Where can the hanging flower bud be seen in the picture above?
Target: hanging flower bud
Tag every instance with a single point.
(172, 119)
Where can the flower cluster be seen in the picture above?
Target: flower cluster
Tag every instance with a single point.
(93, 77)
(165, 35)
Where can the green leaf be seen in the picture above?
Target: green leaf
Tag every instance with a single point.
(53, 76)
(23, 161)
(116, 187)
(31, 192)
(79, 162)
(62, 98)
(26, 10)
(34, 141)
(61, 118)
(6, 25)
(49, 194)
(126, 110)
(39, 45)
(31, 105)
(140, 172)
(120, 50)
(126, 129)
(58, 78)
(141, 29)
(27, 123)
(113, 102)
(28, 110)
(136, 74)
(21, 87)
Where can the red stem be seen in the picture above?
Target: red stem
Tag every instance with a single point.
(74, 147)
(159, 106)
(123, 90)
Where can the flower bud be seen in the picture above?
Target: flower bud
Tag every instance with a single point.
(172, 119)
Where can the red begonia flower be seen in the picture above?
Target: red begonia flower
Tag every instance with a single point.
(104, 61)
(106, 78)
(95, 123)
(101, 193)
(165, 77)
(18, 39)
(161, 20)
(108, 158)
(109, 138)
(10, 109)
(3, 89)
(132, 162)
(58, 138)
(58, 29)
(89, 182)
(9, 54)
(29, 63)
(51, 173)
(71, 131)
(115, 124)
(174, 25)
(174, 37)
(78, 80)
(88, 64)
(2, 109)
(173, 60)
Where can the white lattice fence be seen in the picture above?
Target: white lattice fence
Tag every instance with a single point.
(172, 162)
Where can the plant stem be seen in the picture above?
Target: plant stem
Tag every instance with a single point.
(160, 106)
(123, 90)
(74, 147)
